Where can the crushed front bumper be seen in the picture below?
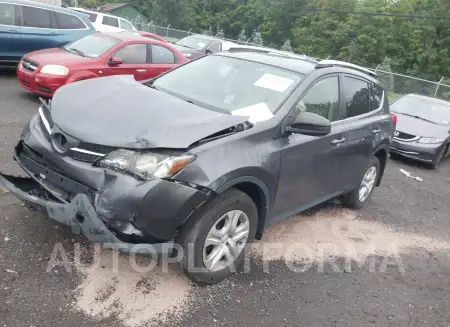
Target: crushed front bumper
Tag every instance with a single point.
(79, 215)
(426, 153)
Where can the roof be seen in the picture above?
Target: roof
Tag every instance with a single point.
(302, 66)
(108, 7)
(46, 6)
(130, 36)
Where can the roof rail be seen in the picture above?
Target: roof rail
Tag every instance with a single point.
(334, 63)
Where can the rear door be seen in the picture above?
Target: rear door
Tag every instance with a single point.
(38, 29)
(311, 166)
(10, 32)
(162, 59)
(362, 123)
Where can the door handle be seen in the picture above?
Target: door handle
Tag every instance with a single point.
(376, 131)
(141, 70)
(338, 141)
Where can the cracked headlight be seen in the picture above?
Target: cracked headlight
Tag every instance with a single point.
(431, 140)
(145, 165)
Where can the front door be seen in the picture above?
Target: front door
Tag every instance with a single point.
(135, 59)
(310, 166)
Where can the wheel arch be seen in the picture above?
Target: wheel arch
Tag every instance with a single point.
(382, 153)
(257, 191)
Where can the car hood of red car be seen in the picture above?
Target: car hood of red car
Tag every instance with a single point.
(56, 56)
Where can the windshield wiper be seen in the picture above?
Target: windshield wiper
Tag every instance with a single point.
(81, 53)
(418, 117)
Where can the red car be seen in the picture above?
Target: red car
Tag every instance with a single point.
(153, 36)
(96, 55)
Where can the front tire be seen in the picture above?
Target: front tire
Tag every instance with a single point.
(216, 240)
(439, 157)
(360, 196)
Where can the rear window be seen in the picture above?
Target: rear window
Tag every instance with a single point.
(36, 17)
(125, 25)
(110, 21)
(376, 96)
(93, 45)
(92, 17)
(68, 22)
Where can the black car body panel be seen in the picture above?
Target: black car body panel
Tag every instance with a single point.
(124, 113)
(283, 173)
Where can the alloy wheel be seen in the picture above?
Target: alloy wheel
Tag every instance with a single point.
(226, 240)
(367, 183)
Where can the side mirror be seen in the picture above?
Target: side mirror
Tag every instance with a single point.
(207, 51)
(114, 61)
(308, 123)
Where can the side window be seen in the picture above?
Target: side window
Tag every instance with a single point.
(125, 25)
(162, 55)
(214, 47)
(36, 17)
(111, 21)
(322, 99)
(8, 14)
(376, 96)
(133, 54)
(68, 22)
(356, 97)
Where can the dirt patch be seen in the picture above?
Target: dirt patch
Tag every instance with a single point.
(123, 286)
(116, 286)
(337, 232)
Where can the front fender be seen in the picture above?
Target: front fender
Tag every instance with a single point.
(82, 75)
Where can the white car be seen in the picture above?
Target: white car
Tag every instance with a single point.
(105, 22)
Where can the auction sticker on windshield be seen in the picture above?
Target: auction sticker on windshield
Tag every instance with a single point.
(274, 82)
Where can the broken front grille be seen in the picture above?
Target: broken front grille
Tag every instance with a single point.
(84, 151)
(89, 152)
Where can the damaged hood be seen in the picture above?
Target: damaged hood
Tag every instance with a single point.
(118, 111)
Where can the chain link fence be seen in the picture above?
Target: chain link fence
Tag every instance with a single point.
(396, 84)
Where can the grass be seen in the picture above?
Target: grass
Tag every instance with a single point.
(393, 96)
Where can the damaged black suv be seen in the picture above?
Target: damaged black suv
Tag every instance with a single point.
(206, 155)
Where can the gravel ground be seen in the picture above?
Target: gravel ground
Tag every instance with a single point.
(387, 264)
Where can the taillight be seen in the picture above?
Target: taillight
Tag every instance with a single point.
(393, 118)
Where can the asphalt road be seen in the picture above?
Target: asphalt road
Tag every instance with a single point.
(389, 263)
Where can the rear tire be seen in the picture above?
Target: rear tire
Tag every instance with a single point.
(360, 196)
(217, 239)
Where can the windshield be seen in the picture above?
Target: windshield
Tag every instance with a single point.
(193, 42)
(230, 85)
(434, 110)
(93, 45)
